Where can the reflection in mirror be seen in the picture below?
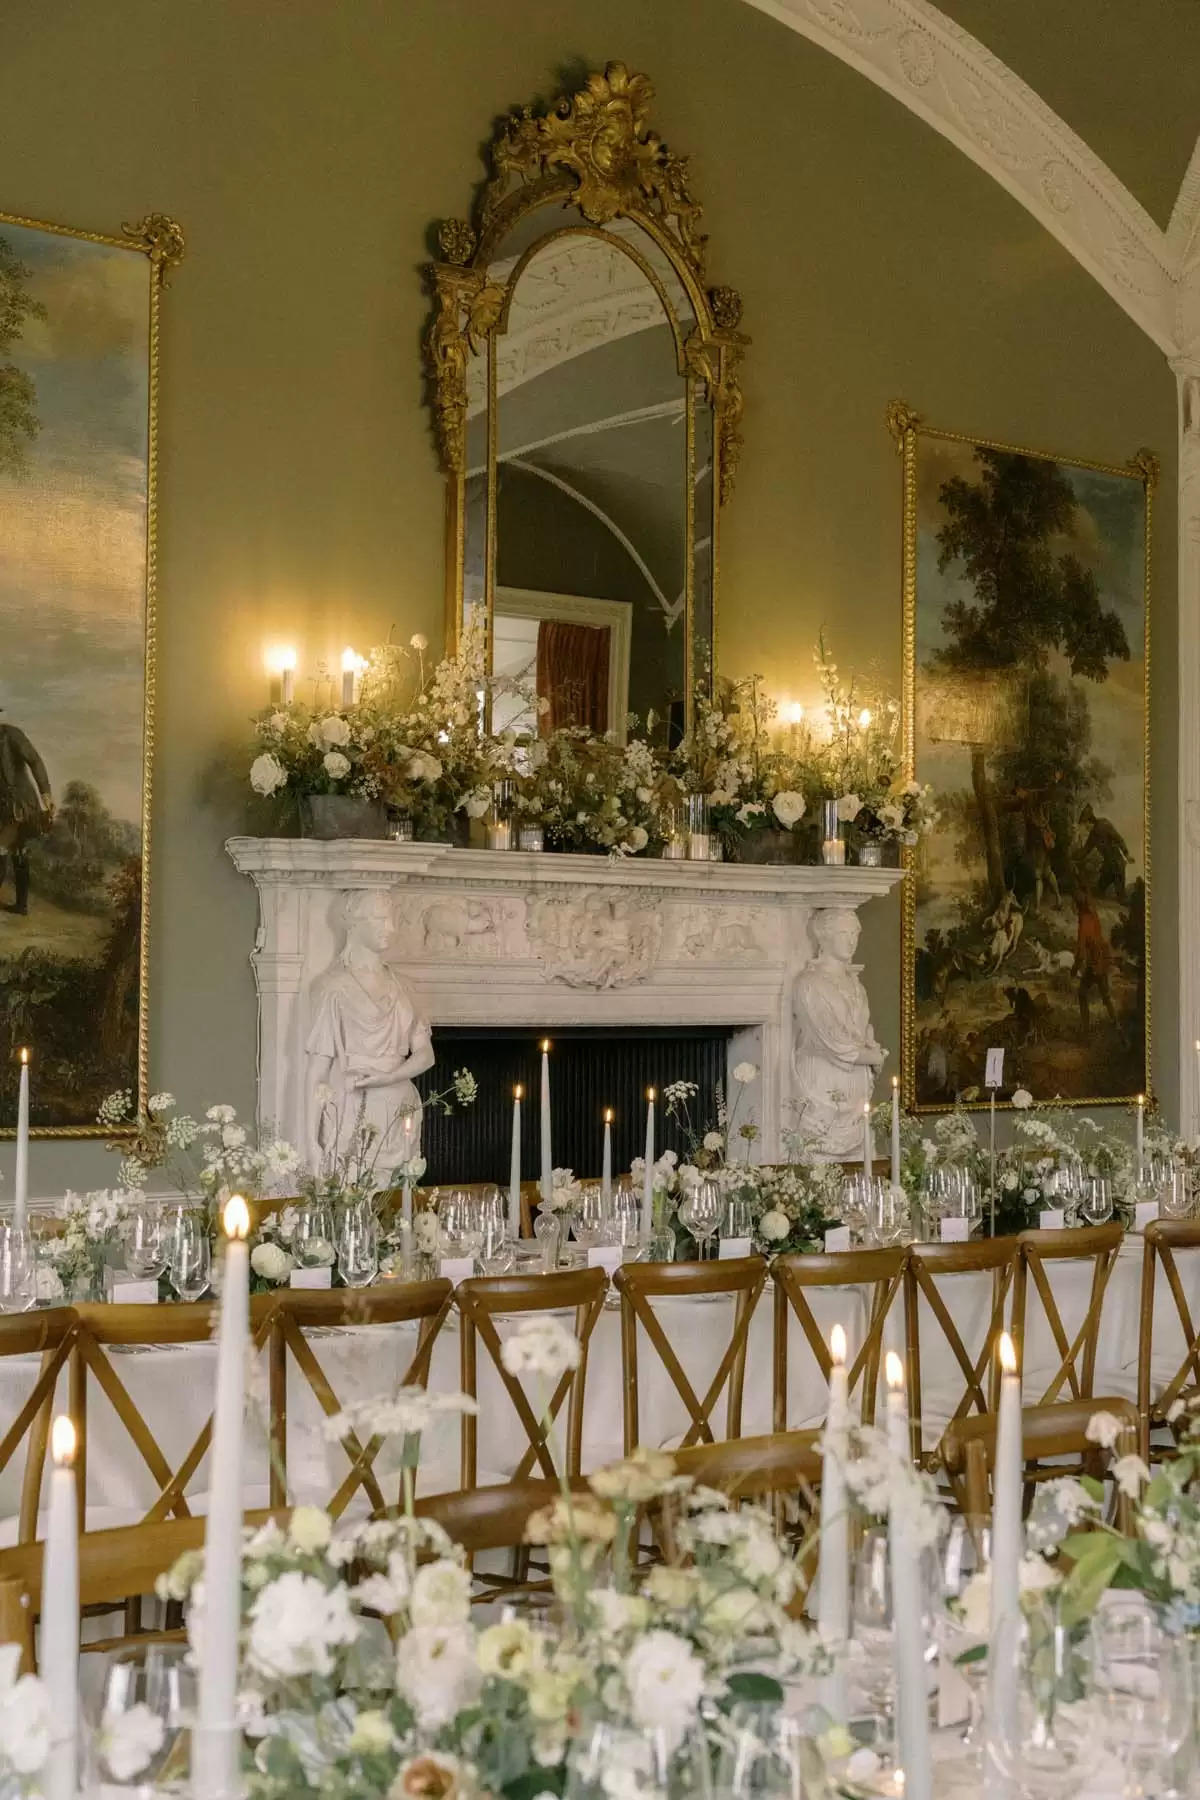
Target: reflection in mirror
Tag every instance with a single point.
(590, 451)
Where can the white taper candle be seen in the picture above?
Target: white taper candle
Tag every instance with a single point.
(895, 1131)
(1007, 1471)
(648, 1177)
(406, 1194)
(833, 1574)
(547, 1182)
(21, 1179)
(909, 1623)
(868, 1141)
(514, 1168)
(58, 1650)
(606, 1170)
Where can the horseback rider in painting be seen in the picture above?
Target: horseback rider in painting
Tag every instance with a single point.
(26, 808)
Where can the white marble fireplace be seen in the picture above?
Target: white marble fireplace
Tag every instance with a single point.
(485, 938)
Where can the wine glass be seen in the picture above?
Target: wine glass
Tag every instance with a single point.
(739, 1219)
(1143, 1684)
(18, 1268)
(963, 1617)
(701, 1211)
(871, 1629)
(589, 1220)
(191, 1256)
(639, 1764)
(312, 1238)
(1096, 1201)
(626, 1214)
(764, 1755)
(856, 1201)
(1041, 1733)
(888, 1218)
(152, 1688)
(1174, 1189)
(358, 1244)
(497, 1252)
(146, 1241)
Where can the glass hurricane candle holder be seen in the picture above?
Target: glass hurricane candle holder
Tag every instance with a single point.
(501, 834)
(833, 845)
(675, 846)
(699, 836)
(531, 837)
(400, 827)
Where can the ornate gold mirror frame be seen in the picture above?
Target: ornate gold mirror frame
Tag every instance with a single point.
(593, 151)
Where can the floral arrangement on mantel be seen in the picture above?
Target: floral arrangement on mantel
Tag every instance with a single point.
(413, 743)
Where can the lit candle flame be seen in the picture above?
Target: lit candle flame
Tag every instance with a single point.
(349, 661)
(62, 1442)
(795, 713)
(1008, 1354)
(893, 1370)
(608, 1115)
(1141, 1100)
(280, 660)
(837, 1345)
(895, 1081)
(864, 717)
(519, 1091)
(24, 1055)
(236, 1217)
(545, 1046)
(650, 1095)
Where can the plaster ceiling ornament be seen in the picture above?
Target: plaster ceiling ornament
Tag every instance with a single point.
(596, 940)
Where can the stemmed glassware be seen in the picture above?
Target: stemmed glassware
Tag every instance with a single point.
(312, 1239)
(18, 1267)
(496, 1253)
(963, 1617)
(1144, 1689)
(460, 1217)
(626, 1214)
(161, 1679)
(887, 1220)
(1096, 1200)
(190, 1255)
(357, 1244)
(590, 1216)
(701, 1211)
(765, 1755)
(146, 1241)
(1173, 1185)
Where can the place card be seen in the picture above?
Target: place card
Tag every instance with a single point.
(954, 1694)
(955, 1231)
(993, 1074)
(837, 1237)
(127, 1290)
(605, 1256)
(731, 1247)
(1144, 1213)
(456, 1268)
(1053, 1219)
(311, 1278)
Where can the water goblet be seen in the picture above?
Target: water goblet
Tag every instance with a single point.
(145, 1241)
(1144, 1686)
(1096, 1201)
(191, 1256)
(1174, 1190)
(888, 1219)
(358, 1244)
(701, 1211)
(589, 1219)
(160, 1680)
(312, 1239)
(739, 1219)
(18, 1267)
(627, 1215)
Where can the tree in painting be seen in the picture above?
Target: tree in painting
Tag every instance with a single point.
(1030, 917)
(18, 395)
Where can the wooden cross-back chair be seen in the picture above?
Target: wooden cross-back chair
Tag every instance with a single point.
(1157, 1393)
(1048, 1433)
(930, 1329)
(1038, 1253)
(424, 1303)
(741, 1279)
(49, 1336)
(480, 1302)
(795, 1278)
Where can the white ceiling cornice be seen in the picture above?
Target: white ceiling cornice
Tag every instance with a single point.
(949, 79)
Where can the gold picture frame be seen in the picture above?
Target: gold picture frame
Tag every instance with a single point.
(990, 955)
(54, 272)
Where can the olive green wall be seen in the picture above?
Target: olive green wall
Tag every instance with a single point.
(305, 146)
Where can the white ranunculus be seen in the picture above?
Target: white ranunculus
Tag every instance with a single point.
(267, 774)
(334, 731)
(423, 767)
(1103, 1428)
(848, 808)
(1022, 1098)
(336, 765)
(309, 1528)
(665, 1679)
(270, 1262)
(637, 838)
(441, 1594)
(437, 1672)
(24, 1715)
(774, 1226)
(541, 1345)
(1129, 1472)
(296, 1623)
(129, 1739)
(509, 1648)
(477, 803)
(713, 1140)
(372, 1735)
(744, 1073)
(788, 808)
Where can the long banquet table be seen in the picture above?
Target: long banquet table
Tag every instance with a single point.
(172, 1386)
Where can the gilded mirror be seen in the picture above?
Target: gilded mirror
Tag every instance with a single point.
(587, 409)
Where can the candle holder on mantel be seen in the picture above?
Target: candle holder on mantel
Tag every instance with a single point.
(675, 846)
(699, 836)
(833, 844)
(531, 837)
(501, 832)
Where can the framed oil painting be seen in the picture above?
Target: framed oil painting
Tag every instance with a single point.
(79, 331)
(1026, 587)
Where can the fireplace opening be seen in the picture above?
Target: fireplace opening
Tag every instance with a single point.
(590, 1069)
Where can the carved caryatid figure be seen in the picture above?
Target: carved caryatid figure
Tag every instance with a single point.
(835, 1055)
(367, 1041)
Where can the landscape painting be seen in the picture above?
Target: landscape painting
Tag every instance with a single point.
(75, 489)
(1026, 654)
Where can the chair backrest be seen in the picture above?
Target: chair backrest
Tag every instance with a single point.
(740, 1279)
(1033, 1293)
(483, 1301)
(796, 1278)
(297, 1311)
(1048, 1435)
(48, 1336)
(492, 1518)
(754, 1468)
(1162, 1382)
(966, 1345)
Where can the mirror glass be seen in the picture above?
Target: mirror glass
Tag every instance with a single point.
(588, 495)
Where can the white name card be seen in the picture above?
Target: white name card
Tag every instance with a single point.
(311, 1278)
(955, 1231)
(1144, 1213)
(1053, 1219)
(127, 1291)
(993, 1072)
(954, 1695)
(456, 1268)
(606, 1257)
(837, 1237)
(731, 1247)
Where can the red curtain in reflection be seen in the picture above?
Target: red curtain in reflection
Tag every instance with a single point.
(572, 673)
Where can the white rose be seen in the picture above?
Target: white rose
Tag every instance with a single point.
(372, 1735)
(848, 808)
(270, 1262)
(334, 731)
(336, 765)
(1022, 1098)
(309, 1528)
(129, 1739)
(441, 1594)
(477, 803)
(295, 1625)
(745, 1073)
(638, 838)
(437, 1672)
(665, 1679)
(267, 774)
(774, 1226)
(788, 808)
(1103, 1428)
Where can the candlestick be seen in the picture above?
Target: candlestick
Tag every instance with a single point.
(992, 1153)
(648, 1177)
(514, 1168)
(833, 1571)
(908, 1613)
(406, 1195)
(21, 1181)
(281, 668)
(351, 664)
(868, 1143)
(216, 1739)
(606, 1172)
(59, 1647)
(895, 1131)
(1141, 1134)
(547, 1152)
(1007, 1475)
